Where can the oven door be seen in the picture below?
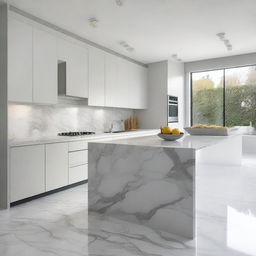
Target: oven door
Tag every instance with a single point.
(173, 113)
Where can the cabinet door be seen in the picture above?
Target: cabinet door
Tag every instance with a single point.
(139, 86)
(77, 59)
(143, 91)
(124, 82)
(56, 157)
(113, 91)
(96, 77)
(27, 172)
(45, 86)
(132, 85)
(20, 61)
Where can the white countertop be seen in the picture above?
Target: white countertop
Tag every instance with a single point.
(101, 136)
(193, 142)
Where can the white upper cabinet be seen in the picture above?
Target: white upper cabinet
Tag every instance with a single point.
(113, 91)
(20, 45)
(140, 86)
(32, 64)
(96, 77)
(45, 84)
(44, 63)
(74, 58)
(125, 84)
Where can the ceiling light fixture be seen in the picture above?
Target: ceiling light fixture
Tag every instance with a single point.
(93, 22)
(119, 2)
(126, 46)
(222, 37)
(176, 58)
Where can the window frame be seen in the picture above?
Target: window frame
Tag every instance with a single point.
(224, 88)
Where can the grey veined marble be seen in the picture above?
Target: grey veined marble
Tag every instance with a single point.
(37, 121)
(56, 225)
(149, 186)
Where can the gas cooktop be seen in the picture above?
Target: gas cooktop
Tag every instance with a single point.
(75, 133)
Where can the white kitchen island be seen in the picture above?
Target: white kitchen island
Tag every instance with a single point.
(149, 182)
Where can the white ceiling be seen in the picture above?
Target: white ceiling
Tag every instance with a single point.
(156, 28)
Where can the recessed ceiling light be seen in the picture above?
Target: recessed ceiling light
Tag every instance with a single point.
(119, 2)
(221, 35)
(226, 42)
(126, 46)
(229, 47)
(93, 22)
(176, 58)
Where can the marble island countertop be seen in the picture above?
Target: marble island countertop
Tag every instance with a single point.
(150, 181)
(187, 141)
(100, 136)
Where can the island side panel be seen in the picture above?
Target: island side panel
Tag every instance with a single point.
(225, 153)
(151, 186)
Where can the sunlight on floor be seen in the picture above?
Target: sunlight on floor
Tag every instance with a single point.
(241, 227)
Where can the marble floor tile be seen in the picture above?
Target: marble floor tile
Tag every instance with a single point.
(53, 225)
(57, 224)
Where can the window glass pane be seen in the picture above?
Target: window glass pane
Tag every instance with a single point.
(240, 96)
(207, 97)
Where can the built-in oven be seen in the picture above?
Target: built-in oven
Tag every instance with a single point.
(173, 113)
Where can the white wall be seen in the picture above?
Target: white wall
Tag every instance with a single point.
(3, 108)
(164, 78)
(156, 114)
(176, 87)
(211, 64)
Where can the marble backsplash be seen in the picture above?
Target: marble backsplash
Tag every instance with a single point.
(37, 121)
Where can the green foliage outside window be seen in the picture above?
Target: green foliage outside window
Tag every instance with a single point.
(240, 97)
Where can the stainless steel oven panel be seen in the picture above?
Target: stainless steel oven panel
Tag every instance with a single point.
(173, 115)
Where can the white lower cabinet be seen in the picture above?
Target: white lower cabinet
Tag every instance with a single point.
(77, 145)
(78, 173)
(27, 171)
(40, 168)
(56, 165)
(78, 158)
(78, 161)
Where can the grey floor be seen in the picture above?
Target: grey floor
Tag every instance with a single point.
(58, 224)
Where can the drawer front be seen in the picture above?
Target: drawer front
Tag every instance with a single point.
(78, 145)
(78, 173)
(78, 158)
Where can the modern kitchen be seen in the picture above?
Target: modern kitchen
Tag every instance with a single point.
(127, 128)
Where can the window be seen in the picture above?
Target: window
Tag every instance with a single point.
(207, 97)
(224, 97)
(240, 96)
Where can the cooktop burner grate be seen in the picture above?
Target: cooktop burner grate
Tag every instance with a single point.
(75, 133)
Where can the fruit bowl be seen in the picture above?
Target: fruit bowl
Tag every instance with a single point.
(170, 137)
